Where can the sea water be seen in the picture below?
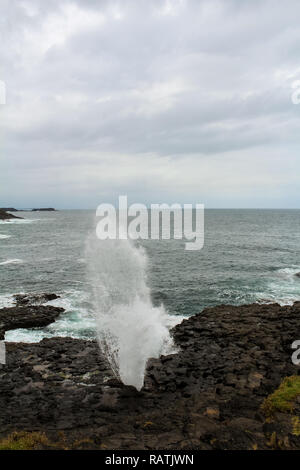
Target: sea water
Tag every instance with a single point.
(248, 256)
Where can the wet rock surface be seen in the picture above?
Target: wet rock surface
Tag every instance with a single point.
(207, 396)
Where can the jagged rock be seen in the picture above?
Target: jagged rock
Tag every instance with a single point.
(207, 396)
(27, 317)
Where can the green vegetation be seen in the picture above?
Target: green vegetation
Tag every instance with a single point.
(296, 426)
(283, 398)
(23, 441)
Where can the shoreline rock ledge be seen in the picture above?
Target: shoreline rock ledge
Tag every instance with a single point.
(29, 312)
(210, 395)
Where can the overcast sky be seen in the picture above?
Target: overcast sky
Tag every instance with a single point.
(165, 101)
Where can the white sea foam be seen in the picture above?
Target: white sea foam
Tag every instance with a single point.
(3, 237)
(76, 322)
(130, 329)
(289, 272)
(67, 326)
(18, 221)
(11, 261)
(283, 287)
(6, 300)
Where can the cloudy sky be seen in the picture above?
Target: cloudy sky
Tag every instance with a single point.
(165, 101)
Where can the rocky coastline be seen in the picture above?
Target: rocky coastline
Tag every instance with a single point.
(4, 215)
(211, 395)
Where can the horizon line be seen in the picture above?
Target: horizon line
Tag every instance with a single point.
(149, 207)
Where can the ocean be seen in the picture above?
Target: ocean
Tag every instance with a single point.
(248, 256)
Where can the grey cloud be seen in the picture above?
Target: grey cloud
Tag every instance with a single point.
(177, 80)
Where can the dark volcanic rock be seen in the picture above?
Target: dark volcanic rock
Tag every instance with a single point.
(6, 216)
(297, 274)
(207, 396)
(34, 299)
(27, 317)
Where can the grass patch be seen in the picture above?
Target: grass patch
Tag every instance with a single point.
(296, 426)
(283, 398)
(23, 441)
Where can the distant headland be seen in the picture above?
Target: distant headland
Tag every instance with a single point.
(49, 209)
(5, 212)
(13, 209)
(8, 209)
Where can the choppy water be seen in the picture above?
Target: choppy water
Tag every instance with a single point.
(248, 256)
